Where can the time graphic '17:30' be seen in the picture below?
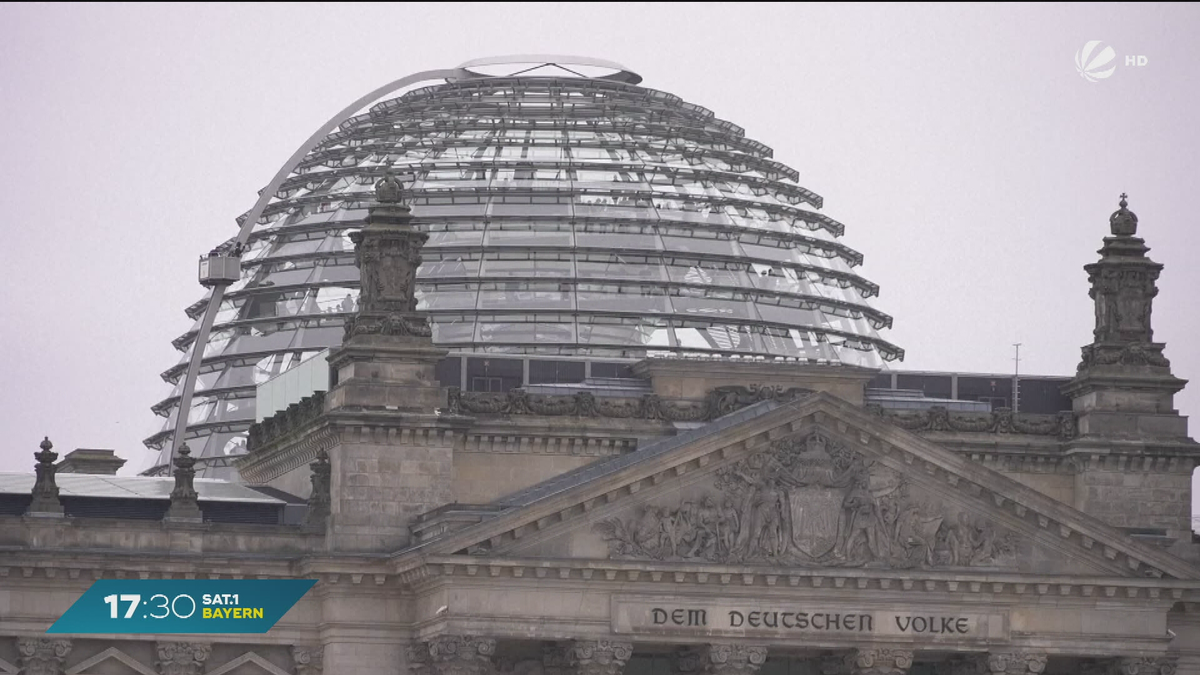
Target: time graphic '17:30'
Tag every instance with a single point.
(158, 602)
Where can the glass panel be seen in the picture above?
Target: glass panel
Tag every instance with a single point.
(626, 299)
(526, 268)
(527, 235)
(525, 295)
(698, 245)
(446, 296)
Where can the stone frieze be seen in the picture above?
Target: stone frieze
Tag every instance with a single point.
(810, 502)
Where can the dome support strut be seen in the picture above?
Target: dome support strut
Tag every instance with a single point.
(218, 289)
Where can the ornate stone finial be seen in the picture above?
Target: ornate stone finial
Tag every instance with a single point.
(1123, 222)
(389, 189)
(319, 499)
(388, 252)
(45, 489)
(185, 506)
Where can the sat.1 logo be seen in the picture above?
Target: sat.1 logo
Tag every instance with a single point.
(1096, 61)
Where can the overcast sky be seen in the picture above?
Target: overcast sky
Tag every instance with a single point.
(971, 163)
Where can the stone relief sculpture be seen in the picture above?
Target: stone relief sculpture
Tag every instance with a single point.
(809, 502)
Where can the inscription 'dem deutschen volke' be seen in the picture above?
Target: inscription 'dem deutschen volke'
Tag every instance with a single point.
(817, 621)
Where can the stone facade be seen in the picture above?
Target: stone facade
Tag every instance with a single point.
(788, 526)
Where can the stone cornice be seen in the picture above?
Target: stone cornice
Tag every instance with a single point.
(1002, 422)
(1019, 507)
(719, 401)
(278, 458)
(761, 579)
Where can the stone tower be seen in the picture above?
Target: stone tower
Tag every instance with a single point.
(1134, 458)
(394, 455)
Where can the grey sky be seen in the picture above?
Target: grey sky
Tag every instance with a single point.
(971, 164)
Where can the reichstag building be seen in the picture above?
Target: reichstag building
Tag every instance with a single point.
(538, 371)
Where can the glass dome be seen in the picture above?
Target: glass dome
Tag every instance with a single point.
(567, 217)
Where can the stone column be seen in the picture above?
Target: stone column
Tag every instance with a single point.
(41, 656)
(1015, 663)
(182, 658)
(599, 657)
(721, 659)
(308, 659)
(881, 661)
(461, 655)
(45, 490)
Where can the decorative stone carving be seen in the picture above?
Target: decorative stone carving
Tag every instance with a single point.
(417, 659)
(1136, 354)
(809, 502)
(319, 499)
(999, 421)
(1160, 665)
(388, 253)
(599, 657)
(882, 661)
(45, 489)
(389, 189)
(1016, 663)
(461, 655)
(182, 658)
(42, 656)
(1123, 288)
(308, 659)
(184, 504)
(293, 418)
(1123, 221)
(719, 402)
(721, 659)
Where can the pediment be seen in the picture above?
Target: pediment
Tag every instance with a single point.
(817, 483)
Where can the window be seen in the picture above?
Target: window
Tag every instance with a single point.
(487, 384)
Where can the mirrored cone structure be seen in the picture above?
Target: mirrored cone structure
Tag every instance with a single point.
(567, 217)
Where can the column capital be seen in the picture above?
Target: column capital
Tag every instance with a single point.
(182, 658)
(722, 658)
(42, 656)
(1133, 665)
(1015, 663)
(880, 661)
(461, 654)
(308, 659)
(599, 657)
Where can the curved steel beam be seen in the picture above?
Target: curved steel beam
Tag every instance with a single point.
(218, 290)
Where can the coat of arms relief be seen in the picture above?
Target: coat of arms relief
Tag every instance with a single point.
(810, 502)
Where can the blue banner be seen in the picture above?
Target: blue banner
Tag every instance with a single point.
(198, 606)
